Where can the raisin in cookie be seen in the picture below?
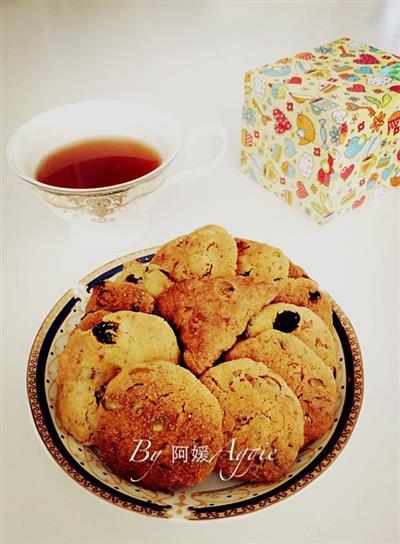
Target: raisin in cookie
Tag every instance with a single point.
(305, 292)
(148, 277)
(93, 357)
(300, 322)
(261, 261)
(305, 373)
(164, 406)
(209, 314)
(207, 252)
(260, 413)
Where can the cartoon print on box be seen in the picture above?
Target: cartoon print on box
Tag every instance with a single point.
(322, 129)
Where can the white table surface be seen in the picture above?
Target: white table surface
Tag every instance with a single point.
(188, 58)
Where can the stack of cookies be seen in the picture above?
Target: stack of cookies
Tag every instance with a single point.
(218, 355)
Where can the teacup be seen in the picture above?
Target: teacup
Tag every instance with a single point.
(71, 123)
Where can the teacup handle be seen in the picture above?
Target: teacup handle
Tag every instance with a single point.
(195, 134)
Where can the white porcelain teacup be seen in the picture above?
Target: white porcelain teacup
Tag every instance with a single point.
(72, 123)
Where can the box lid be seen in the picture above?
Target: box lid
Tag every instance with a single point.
(325, 71)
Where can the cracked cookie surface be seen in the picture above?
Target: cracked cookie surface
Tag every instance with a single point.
(260, 412)
(260, 261)
(166, 405)
(209, 314)
(208, 252)
(305, 373)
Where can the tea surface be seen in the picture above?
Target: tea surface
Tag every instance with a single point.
(97, 163)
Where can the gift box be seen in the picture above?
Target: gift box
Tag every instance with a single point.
(321, 129)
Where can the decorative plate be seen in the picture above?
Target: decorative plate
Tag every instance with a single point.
(213, 498)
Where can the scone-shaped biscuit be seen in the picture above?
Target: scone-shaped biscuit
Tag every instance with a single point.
(299, 321)
(305, 292)
(93, 357)
(208, 252)
(305, 373)
(210, 314)
(295, 271)
(148, 277)
(167, 406)
(260, 411)
(261, 261)
(113, 297)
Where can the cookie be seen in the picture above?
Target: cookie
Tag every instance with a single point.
(261, 261)
(304, 372)
(114, 297)
(93, 357)
(208, 252)
(295, 271)
(161, 407)
(89, 321)
(209, 314)
(261, 414)
(148, 277)
(305, 292)
(300, 322)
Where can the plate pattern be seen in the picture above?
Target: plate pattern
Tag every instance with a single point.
(212, 499)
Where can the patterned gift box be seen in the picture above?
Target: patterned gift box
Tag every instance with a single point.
(321, 129)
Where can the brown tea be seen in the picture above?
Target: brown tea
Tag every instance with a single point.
(97, 163)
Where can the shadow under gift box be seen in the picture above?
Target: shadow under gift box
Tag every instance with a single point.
(321, 129)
